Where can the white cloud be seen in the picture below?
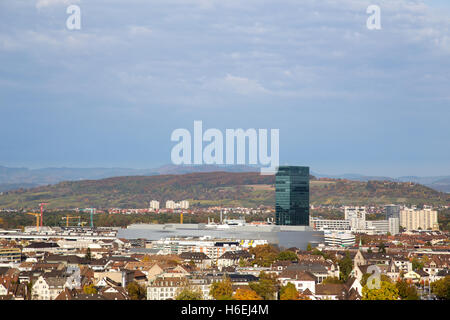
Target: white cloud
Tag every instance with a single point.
(51, 3)
(236, 84)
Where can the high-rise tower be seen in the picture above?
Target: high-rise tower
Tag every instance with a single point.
(292, 196)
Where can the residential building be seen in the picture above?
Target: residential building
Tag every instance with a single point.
(154, 205)
(419, 219)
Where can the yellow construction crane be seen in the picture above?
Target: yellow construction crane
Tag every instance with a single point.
(70, 217)
(37, 215)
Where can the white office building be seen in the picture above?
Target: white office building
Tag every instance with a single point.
(339, 238)
(327, 224)
(154, 205)
(357, 217)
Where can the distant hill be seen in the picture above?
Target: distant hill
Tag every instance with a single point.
(17, 178)
(213, 188)
(439, 183)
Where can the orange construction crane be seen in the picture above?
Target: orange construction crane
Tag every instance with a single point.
(70, 217)
(37, 215)
(42, 210)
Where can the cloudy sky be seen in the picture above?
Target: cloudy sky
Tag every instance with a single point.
(345, 98)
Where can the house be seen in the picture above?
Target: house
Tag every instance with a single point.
(114, 293)
(48, 287)
(301, 279)
(440, 275)
(402, 263)
(140, 278)
(200, 259)
(353, 284)
(164, 288)
(358, 271)
(232, 258)
(330, 291)
(72, 294)
(318, 269)
(412, 276)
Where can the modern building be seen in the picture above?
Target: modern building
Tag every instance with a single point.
(392, 211)
(184, 204)
(292, 196)
(154, 205)
(394, 225)
(8, 255)
(356, 216)
(170, 204)
(339, 239)
(328, 224)
(419, 219)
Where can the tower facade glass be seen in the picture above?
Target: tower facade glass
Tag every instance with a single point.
(292, 196)
(392, 211)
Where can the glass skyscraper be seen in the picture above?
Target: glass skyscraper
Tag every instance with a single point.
(392, 211)
(292, 196)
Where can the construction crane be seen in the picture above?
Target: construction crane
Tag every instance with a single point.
(71, 217)
(42, 210)
(92, 211)
(37, 215)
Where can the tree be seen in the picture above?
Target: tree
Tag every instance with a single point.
(88, 255)
(188, 293)
(366, 276)
(441, 288)
(89, 289)
(346, 266)
(288, 292)
(222, 290)
(417, 264)
(135, 291)
(406, 291)
(246, 294)
(369, 250)
(387, 291)
(381, 247)
(309, 247)
(264, 255)
(287, 256)
(266, 286)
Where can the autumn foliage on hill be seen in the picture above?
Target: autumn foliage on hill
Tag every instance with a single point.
(212, 188)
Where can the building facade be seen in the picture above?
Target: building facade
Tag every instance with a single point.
(419, 219)
(292, 196)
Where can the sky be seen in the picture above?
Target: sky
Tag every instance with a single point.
(345, 99)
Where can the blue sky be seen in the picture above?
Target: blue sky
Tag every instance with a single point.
(345, 98)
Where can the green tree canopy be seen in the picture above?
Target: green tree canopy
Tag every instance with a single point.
(287, 255)
(406, 290)
(346, 266)
(188, 293)
(222, 290)
(135, 291)
(441, 288)
(387, 291)
(266, 287)
(288, 292)
(264, 255)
